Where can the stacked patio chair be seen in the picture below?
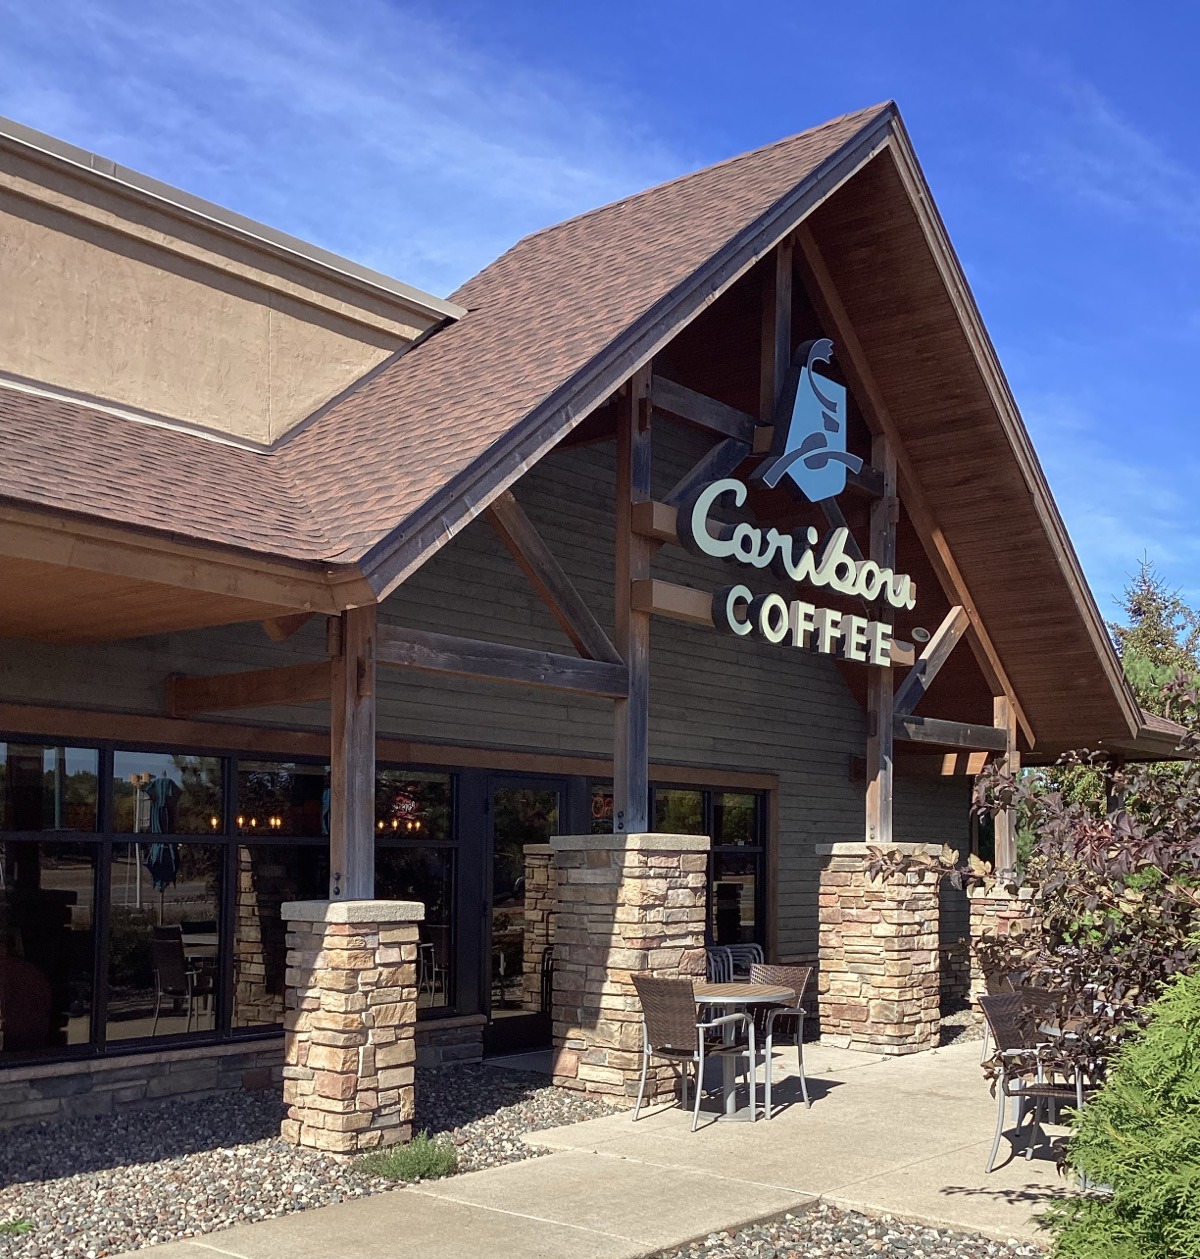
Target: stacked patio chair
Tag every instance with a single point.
(1029, 1064)
(671, 1030)
(786, 1019)
(996, 983)
(718, 964)
(744, 956)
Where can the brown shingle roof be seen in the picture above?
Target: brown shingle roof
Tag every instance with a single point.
(339, 484)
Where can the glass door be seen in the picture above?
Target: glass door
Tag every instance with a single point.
(523, 811)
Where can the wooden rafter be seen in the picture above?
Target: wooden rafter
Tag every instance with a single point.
(280, 628)
(935, 654)
(720, 461)
(403, 648)
(950, 734)
(862, 381)
(255, 688)
(546, 575)
(702, 411)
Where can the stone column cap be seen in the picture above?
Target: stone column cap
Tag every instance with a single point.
(860, 848)
(352, 911)
(623, 842)
(537, 850)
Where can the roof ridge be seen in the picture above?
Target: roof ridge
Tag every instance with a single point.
(870, 111)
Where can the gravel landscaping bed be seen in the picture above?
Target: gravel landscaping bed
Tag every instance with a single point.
(963, 1024)
(827, 1233)
(98, 1187)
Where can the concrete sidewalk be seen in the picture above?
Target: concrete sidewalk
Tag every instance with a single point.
(907, 1137)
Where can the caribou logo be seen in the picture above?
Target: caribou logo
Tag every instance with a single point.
(809, 444)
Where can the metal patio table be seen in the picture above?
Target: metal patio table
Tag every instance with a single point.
(731, 997)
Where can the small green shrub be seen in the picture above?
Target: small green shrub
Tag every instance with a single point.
(15, 1228)
(423, 1158)
(1140, 1135)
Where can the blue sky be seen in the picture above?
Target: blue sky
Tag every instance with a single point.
(424, 138)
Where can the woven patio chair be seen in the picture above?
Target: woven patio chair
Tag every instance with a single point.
(996, 983)
(744, 956)
(671, 1030)
(718, 964)
(1027, 1063)
(786, 1017)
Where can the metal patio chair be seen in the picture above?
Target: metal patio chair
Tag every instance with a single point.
(718, 964)
(671, 1030)
(996, 983)
(787, 1018)
(1028, 1063)
(744, 956)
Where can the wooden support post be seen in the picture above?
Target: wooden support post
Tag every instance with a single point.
(1005, 719)
(631, 744)
(352, 758)
(880, 734)
(776, 343)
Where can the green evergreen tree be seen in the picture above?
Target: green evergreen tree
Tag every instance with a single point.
(1162, 637)
(1140, 1136)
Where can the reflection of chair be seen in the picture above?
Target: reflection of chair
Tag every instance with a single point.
(670, 1030)
(719, 964)
(174, 979)
(788, 1013)
(431, 972)
(744, 956)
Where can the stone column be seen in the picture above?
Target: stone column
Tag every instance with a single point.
(349, 1023)
(995, 911)
(625, 904)
(539, 919)
(880, 980)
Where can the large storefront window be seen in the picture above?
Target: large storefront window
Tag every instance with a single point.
(415, 860)
(282, 798)
(48, 788)
(157, 793)
(164, 956)
(47, 945)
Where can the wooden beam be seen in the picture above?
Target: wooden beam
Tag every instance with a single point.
(701, 410)
(950, 734)
(280, 628)
(631, 712)
(775, 354)
(655, 520)
(681, 603)
(403, 648)
(1004, 719)
(721, 461)
(935, 654)
(352, 759)
(935, 765)
(546, 575)
(256, 688)
(881, 734)
(854, 363)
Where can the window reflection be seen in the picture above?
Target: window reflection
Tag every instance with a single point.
(282, 798)
(735, 818)
(412, 805)
(678, 812)
(47, 788)
(425, 875)
(47, 943)
(602, 808)
(159, 793)
(163, 939)
(733, 897)
(267, 876)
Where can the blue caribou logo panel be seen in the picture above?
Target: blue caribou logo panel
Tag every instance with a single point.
(809, 445)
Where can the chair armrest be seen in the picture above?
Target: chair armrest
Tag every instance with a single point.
(726, 1020)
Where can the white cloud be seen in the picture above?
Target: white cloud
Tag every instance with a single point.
(358, 125)
(1119, 502)
(1086, 148)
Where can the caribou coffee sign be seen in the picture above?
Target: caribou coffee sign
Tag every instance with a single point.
(809, 448)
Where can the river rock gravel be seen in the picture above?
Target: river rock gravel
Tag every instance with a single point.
(824, 1232)
(101, 1186)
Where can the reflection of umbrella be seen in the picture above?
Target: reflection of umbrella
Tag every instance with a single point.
(162, 863)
